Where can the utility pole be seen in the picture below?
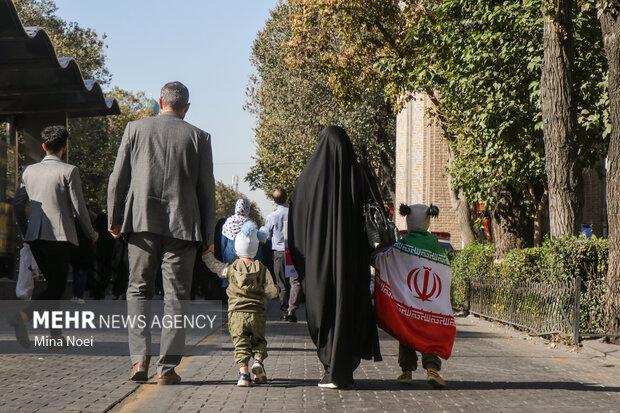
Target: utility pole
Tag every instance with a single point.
(235, 183)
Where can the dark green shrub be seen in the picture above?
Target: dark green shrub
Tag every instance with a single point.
(528, 264)
(473, 261)
(570, 257)
(561, 259)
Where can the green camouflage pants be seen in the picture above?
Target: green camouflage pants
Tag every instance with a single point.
(247, 331)
(408, 359)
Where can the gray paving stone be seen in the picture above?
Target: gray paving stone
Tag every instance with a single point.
(491, 369)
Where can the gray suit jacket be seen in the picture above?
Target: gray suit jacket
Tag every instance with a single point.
(162, 180)
(54, 189)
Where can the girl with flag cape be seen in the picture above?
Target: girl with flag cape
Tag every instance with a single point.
(412, 296)
(331, 253)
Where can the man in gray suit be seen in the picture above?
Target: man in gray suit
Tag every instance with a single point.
(161, 197)
(54, 190)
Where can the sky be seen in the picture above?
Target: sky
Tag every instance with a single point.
(206, 45)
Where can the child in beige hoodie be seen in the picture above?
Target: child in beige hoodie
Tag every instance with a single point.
(250, 285)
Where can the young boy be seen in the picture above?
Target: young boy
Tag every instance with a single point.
(249, 286)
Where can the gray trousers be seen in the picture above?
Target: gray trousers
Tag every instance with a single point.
(290, 287)
(148, 253)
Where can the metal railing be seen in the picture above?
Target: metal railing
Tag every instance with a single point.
(541, 308)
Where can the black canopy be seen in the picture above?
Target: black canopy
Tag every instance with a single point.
(34, 80)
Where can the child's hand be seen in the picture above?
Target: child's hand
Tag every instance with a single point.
(210, 249)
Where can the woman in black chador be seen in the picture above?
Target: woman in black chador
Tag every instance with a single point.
(331, 253)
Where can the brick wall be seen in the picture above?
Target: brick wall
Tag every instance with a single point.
(437, 189)
(421, 159)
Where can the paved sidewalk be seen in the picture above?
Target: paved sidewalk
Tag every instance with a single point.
(492, 369)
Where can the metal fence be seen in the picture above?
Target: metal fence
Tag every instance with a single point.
(541, 308)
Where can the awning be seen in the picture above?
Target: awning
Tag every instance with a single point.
(34, 80)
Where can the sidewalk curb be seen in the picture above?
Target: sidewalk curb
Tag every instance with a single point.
(595, 347)
(126, 402)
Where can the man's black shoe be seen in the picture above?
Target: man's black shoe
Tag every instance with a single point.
(284, 317)
(291, 317)
(21, 334)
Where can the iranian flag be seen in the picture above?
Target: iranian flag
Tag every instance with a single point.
(412, 294)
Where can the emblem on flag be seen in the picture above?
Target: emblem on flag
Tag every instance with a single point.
(423, 293)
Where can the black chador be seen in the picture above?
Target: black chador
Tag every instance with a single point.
(330, 251)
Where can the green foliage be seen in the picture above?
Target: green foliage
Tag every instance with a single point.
(559, 259)
(69, 39)
(527, 264)
(483, 62)
(570, 257)
(480, 63)
(473, 261)
(225, 199)
(293, 104)
(563, 259)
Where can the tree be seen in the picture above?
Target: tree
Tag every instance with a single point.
(447, 50)
(293, 104)
(69, 39)
(609, 12)
(225, 199)
(559, 115)
(482, 73)
(93, 143)
(479, 63)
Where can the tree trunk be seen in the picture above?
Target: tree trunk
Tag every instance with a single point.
(387, 176)
(539, 215)
(463, 213)
(610, 25)
(512, 225)
(463, 218)
(388, 158)
(559, 117)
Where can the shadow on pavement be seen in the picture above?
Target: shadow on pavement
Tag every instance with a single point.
(418, 385)
(483, 385)
(273, 349)
(476, 334)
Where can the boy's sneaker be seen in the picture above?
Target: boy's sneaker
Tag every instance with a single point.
(405, 377)
(434, 379)
(258, 369)
(244, 380)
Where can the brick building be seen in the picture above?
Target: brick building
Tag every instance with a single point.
(421, 161)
